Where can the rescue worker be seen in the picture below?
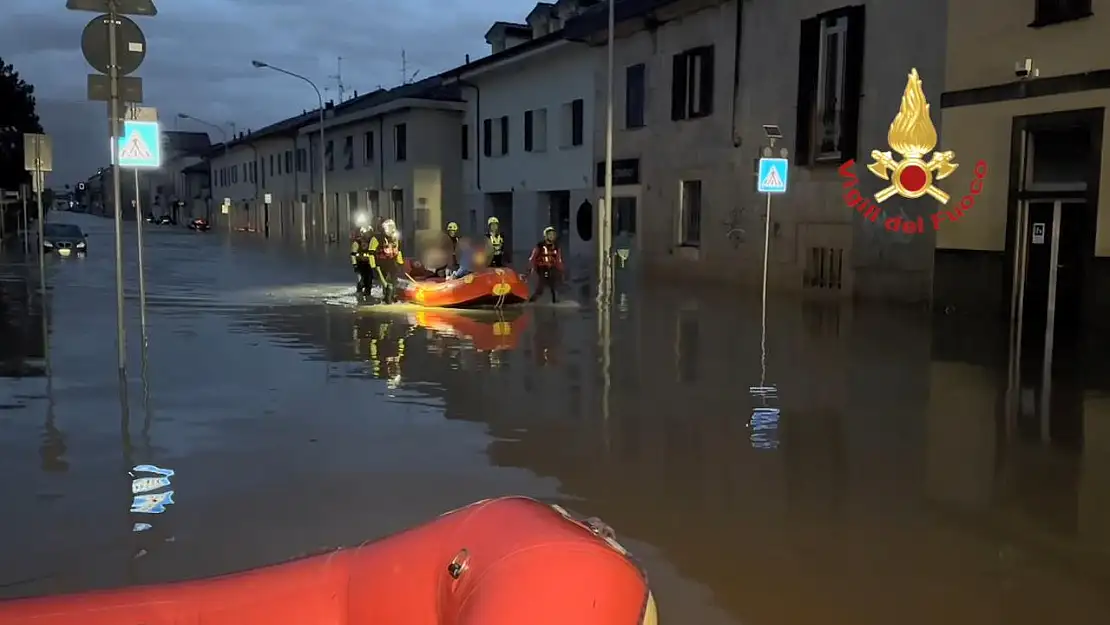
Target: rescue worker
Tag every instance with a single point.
(453, 241)
(386, 259)
(547, 262)
(362, 259)
(446, 253)
(496, 242)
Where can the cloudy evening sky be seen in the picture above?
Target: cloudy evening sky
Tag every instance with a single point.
(199, 54)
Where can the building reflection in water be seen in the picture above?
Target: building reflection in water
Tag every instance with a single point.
(23, 321)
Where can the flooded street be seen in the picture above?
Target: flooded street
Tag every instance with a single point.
(855, 467)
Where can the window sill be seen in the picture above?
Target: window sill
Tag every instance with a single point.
(828, 160)
(634, 128)
(1052, 20)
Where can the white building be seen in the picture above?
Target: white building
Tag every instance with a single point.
(529, 132)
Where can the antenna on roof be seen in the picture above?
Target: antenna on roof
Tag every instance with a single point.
(406, 77)
(338, 77)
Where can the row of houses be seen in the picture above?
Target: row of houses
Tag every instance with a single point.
(520, 135)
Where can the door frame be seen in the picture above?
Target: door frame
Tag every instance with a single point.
(1022, 129)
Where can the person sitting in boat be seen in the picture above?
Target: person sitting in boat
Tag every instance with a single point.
(495, 242)
(386, 259)
(546, 262)
(362, 259)
(470, 258)
(452, 246)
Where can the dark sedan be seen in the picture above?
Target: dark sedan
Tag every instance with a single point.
(64, 240)
(200, 224)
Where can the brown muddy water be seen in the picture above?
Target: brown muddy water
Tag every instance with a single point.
(848, 470)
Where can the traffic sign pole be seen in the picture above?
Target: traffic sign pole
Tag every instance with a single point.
(117, 195)
(142, 272)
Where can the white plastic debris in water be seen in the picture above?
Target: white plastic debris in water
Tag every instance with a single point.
(152, 504)
(141, 527)
(376, 292)
(150, 468)
(148, 484)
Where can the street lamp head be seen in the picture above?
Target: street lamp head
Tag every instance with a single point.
(259, 64)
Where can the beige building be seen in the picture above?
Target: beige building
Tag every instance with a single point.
(393, 153)
(695, 82)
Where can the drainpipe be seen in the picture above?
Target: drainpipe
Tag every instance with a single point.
(736, 139)
(478, 153)
(381, 166)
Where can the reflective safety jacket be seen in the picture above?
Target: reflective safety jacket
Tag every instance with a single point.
(360, 251)
(384, 253)
(496, 244)
(546, 256)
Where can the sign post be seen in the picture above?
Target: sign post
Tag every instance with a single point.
(140, 147)
(771, 179)
(38, 158)
(225, 208)
(115, 46)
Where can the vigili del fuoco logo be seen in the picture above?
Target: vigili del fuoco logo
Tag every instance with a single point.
(912, 136)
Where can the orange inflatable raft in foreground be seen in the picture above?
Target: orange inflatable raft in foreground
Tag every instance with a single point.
(489, 287)
(511, 561)
(487, 333)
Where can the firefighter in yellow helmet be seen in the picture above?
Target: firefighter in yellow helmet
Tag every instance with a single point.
(362, 260)
(495, 242)
(386, 259)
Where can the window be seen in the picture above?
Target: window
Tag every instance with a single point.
(584, 220)
(401, 142)
(692, 84)
(272, 166)
(302, 159)
(1058, 11)
(528, 120)
(329, 155)
(423, 214)
(635, 95)
(259, 169)
(487, 137)
(624, 215)
(689, 218)
(349, 152)
(368, 147)
(830, 75)
(577, 122)
(465, 141)
(289, 161)
(245, 177)
(535, 130)
(372, 203)
(504, 135)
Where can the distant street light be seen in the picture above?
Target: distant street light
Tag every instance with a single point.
(323, 169)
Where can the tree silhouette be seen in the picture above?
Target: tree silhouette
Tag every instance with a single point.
(17, 116)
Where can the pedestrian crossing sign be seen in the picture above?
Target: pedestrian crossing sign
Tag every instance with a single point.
(773, 175)
(140, 147)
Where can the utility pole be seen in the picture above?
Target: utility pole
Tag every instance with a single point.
(404, 68)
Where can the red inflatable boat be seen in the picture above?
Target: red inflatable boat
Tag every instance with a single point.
(511, 561)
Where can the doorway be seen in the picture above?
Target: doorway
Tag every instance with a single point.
(1055, 167)
(558, 213)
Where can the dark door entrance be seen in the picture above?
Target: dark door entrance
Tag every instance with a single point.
(1049, 319)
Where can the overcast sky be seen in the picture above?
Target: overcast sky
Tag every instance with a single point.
(199, 54)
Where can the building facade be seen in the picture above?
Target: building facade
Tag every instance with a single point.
(695, 83)
(529, 133)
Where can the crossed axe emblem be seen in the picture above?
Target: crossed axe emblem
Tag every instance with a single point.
(939, 167)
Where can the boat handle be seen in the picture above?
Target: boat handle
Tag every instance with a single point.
(459, 564)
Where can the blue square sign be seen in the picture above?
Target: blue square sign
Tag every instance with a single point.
(773, 175)
(140, 147)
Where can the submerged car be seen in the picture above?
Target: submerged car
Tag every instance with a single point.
(164, 220)
(64, 240)
(200, 224)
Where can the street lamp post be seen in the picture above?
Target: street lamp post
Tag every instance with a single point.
(224, 134)
(323, 168)
(605, 216)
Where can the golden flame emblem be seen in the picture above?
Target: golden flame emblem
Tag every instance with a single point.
(912, 135)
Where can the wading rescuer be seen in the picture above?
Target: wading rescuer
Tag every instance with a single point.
(496, 243)
(386, 259)
(362, 260)
(547, 263)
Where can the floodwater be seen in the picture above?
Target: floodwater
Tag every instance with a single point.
(852, 468)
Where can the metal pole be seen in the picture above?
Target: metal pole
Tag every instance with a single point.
(304, 228)
(605, 247)
(39, 181)
(766, 256)
(323, 169)
(142, 272)
(23, 191)
(113, 106)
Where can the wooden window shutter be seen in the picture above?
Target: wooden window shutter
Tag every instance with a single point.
(853, 84)
(809, 50)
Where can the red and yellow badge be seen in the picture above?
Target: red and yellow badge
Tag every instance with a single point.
(913, 137)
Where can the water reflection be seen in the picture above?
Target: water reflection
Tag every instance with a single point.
(23, 319)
